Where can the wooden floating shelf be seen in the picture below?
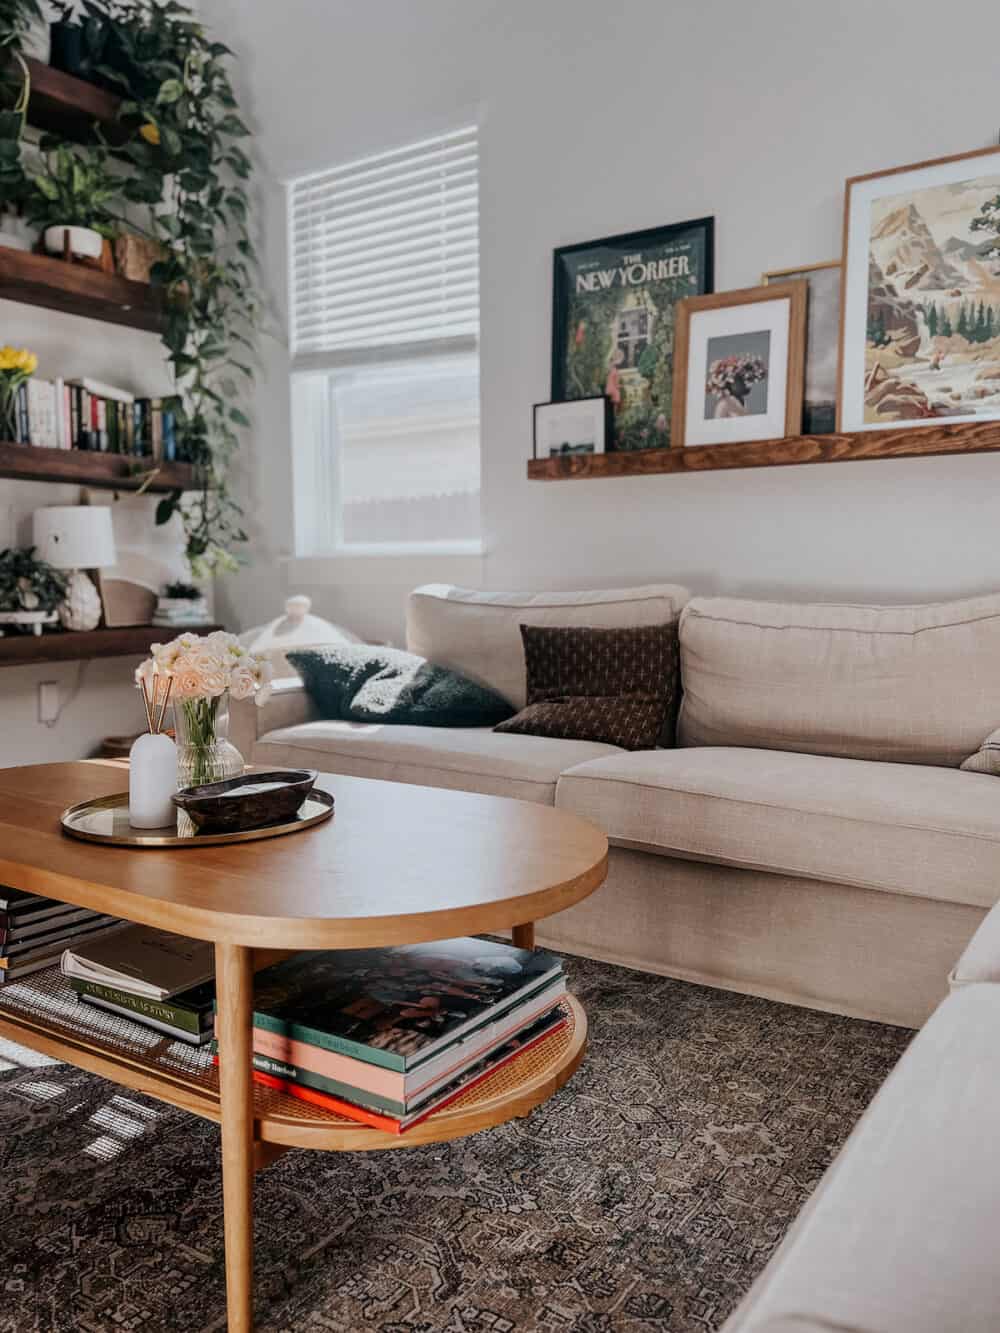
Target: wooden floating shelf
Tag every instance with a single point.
(78, 289)
(68, 106)
(17, 649)
(80, 467)
(967, 438)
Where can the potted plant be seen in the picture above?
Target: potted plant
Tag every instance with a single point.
(30, 591)
(71, 197)
(17, 364)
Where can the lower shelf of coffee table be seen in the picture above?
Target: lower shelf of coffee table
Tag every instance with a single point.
(42, 1013)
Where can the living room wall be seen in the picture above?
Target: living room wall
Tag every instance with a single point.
(599, 119)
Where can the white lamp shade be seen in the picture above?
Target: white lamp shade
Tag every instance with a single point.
(74, 537)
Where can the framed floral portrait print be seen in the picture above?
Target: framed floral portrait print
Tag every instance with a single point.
(739, 365)
(920, 319)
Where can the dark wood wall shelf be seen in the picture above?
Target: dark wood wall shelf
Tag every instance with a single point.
(966, 438)
(18, 649)
(79, 290)
(79, 467)
(64, 105)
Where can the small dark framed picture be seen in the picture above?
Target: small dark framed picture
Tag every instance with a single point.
(580, 426)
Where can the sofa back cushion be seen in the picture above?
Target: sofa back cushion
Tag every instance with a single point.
(479, 633)
(911, 684)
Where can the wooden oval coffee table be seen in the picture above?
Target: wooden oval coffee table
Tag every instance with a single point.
(396, 865)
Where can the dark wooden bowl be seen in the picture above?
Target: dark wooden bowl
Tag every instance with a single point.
(247, 802)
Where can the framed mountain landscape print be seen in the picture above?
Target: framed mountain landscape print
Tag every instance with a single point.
(920, 321)
(613, 320)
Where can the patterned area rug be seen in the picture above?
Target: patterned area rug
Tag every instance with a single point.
(645, 1196)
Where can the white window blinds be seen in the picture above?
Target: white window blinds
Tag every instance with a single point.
(385, 253)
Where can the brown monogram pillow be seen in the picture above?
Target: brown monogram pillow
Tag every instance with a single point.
(617, 686)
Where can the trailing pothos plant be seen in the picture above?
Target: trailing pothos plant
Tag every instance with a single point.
(184, 177)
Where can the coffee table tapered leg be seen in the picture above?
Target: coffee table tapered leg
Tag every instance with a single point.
(524, 936)
(234, 991)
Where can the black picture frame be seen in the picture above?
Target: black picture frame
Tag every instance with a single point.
(561, 402)
(611, 277)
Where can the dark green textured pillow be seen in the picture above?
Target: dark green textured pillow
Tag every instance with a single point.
(358, 683)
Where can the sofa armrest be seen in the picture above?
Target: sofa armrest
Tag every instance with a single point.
(981, 960)
(288, 705)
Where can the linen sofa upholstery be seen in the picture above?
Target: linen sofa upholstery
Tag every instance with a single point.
(899, 1235)
(901, 828)
(461, 758)
(909, 684)
(479, 634)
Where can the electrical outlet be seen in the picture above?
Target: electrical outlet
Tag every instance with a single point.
(48, 702)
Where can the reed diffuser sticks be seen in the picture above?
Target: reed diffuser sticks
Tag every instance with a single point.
(156, 706)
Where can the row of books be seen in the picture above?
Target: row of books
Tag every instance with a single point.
(383, 1036)
(86, 414)
(35, 931)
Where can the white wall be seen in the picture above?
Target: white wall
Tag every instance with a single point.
(98, 697)
(597, 119)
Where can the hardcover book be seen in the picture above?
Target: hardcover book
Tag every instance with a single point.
(187, 1016)
(144, 961)
(395, 1007)
(476, 1073)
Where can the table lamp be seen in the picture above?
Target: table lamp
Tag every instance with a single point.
(76, 537)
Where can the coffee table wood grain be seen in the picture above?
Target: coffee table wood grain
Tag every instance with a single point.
(397, 864)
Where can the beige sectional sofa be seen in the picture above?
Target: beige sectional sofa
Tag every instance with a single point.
(900, 1234)
(812, 838)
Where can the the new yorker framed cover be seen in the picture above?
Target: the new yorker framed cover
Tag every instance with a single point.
(613, 319)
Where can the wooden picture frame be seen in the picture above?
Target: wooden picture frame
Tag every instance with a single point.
(613, 308)
(819, 401)
(887, 297)
(781, 418)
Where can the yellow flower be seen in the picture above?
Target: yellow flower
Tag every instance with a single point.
(151, 133)
(18, 358)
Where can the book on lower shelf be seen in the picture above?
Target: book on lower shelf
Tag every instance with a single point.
(187, 1016)
(154, 964)
(34, 931)
(528, 1037)
(390, 1034)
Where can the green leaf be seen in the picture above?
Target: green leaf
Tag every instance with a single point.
(240, 418)
(170, 91)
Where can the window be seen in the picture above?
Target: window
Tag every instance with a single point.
(385, 364)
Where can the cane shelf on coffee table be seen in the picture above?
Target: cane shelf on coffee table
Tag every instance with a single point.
(396, 865)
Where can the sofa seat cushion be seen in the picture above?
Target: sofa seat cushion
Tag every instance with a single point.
(461, 758)
(900, 1235)
(929, 832)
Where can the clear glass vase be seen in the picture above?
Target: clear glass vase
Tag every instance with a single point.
(201, 733)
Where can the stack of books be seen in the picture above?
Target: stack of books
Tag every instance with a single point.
(88, 414)
(388, 1036)
(161, 980)
(34, 931)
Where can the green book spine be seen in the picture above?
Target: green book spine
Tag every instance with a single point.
(188, 1020)
(293, 1074)
(342, 1045)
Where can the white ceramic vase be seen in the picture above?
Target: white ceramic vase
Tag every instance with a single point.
(82, 606)
(152, 780)
(83, 241)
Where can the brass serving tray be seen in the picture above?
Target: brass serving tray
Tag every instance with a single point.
(106, 820)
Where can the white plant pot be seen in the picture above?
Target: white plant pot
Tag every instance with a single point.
(83, 242)
(35, 620)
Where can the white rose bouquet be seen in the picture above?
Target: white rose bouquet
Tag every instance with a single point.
(203, 670)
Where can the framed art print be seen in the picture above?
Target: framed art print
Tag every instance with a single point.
(577, 426)
(613, 323)
(920, 325)
(739, 365)
(819, 407)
